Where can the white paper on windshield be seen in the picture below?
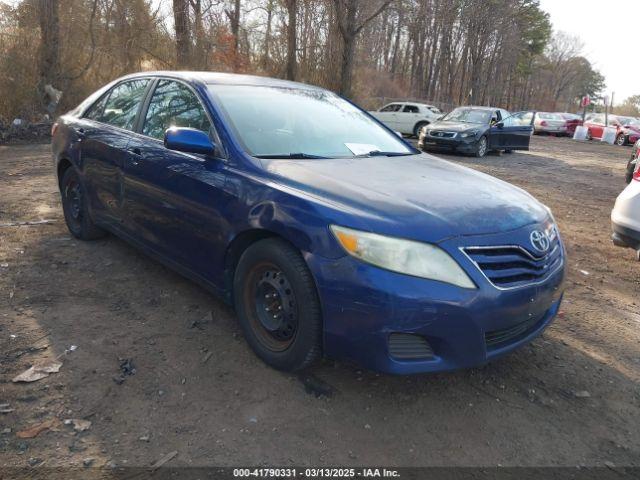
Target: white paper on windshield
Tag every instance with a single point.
(361, 148)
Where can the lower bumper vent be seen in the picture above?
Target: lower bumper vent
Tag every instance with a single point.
(407, 346)
(498, 338)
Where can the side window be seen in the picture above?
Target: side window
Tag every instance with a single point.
(174, 105)
(411, 109)
(122, 104)
(94, 112)
(394, 107)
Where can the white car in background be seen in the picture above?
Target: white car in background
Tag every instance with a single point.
(625, 217)
(407, 118)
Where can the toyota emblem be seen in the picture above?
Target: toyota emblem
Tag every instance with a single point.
(539, 241)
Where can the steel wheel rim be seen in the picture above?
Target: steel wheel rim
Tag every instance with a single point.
(73, 195)
(620, 140)
(272, 307)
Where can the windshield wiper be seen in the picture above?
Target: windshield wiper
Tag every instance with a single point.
(294, 156)
(378, 153)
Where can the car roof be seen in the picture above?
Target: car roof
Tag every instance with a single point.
(220, 78)
(477, 107)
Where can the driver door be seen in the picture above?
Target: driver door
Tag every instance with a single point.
(173, 198)
(516, 130)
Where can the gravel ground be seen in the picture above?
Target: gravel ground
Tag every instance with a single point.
(572, 397)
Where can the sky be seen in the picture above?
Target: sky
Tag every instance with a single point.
(607, 29)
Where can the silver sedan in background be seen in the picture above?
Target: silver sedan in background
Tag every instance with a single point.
(546, 122)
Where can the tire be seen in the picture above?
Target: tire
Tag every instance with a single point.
(75, 208)
(628, 176)
(589, 136)
(272, 276)
(482, 146)
(621, 139)
(508, 151)
(418, 127)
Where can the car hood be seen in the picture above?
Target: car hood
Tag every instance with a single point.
(418, 196)
(456, 126)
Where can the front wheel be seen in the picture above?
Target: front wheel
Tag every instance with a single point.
(277, 305)
(481, 147)
(621, 139)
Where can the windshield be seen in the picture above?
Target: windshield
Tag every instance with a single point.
(626, 120)
(302, 123)
(468, 115)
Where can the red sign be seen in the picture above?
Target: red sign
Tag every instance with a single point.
(586, 101)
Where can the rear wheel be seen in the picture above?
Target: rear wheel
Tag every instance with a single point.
(589, 136)
(75, 207)
(621, 139)
(277, 305)
(481, 147)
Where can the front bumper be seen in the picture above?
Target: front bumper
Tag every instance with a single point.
(457, 143)
(625, 217)
(364, 305)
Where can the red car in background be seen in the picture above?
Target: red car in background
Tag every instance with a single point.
(627, 128)
(571, 121)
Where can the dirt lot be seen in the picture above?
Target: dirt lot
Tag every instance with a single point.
(570, 398)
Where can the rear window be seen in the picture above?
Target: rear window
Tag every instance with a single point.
(120, 106)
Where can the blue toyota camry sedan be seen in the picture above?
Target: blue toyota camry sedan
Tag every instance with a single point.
(328, 233)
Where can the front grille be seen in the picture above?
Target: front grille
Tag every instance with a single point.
(497, 338)
(441, 134)
(513, 266)
(407, 346)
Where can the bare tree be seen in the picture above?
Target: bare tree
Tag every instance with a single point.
(49, 70)
(183, 33)
(350, 26)
(292, 45)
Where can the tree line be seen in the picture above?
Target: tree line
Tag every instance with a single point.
(450, 52)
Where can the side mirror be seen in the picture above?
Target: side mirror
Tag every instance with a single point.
(189, 140)
(499, 125)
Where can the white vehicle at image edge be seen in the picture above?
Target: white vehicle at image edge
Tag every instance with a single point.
(625, 217)
(407, 117)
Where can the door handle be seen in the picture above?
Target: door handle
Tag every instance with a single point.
(136, 155)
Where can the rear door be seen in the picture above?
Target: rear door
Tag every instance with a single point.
(407, 118)
(516, 130)
(173, 199)
(104, 133)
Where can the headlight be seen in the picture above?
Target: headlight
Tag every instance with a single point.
(471, 133)
(402, 256)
